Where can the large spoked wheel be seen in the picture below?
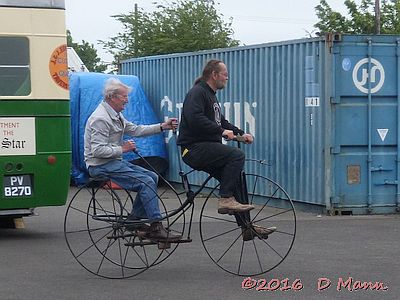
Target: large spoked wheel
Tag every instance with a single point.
(99, 236)
(224, 240)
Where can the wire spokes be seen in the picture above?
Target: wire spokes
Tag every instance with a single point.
(251, 251)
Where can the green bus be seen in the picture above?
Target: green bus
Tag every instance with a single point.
(35, 139)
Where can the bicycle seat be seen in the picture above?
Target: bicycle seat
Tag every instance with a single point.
(97, 181)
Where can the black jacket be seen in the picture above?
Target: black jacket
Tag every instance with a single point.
(202, 120)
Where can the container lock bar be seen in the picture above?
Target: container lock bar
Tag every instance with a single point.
(380, 168)
(388, 182)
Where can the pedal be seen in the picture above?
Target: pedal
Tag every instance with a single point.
(140, 243)
(164, 245)
(127, 234)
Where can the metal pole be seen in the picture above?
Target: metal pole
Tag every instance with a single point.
(136, 31)
(377, 17)
(369, 161)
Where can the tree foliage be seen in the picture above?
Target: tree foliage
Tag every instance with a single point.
(184, 25)
(360, 18)
(87, 53)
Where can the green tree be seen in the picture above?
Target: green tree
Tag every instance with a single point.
(182, 26)
(390, 17)
(360, 19)
(87, 53)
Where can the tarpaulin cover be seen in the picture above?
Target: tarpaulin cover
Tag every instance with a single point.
(86, 92)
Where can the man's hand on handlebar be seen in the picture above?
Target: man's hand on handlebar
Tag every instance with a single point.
(128, 146)
(171, 123)
(230, 136)
(248, 138)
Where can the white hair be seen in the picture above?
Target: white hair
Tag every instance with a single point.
(113, 86)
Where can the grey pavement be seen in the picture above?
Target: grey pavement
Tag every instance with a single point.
(36, 264)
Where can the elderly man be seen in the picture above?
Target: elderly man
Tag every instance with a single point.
(104, 147)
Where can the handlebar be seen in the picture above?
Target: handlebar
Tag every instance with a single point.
(237, 138)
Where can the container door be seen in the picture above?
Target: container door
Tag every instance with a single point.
(365, 106)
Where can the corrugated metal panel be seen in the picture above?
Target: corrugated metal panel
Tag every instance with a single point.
(265, 96)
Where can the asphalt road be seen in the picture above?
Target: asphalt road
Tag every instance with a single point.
(330, 257)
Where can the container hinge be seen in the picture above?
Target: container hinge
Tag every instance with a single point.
(335, 150)
(388, 182)
(334, 100)
(330, 39)
(335, 37)
(380, 168)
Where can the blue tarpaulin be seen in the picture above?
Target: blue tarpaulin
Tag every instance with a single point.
(86, 92)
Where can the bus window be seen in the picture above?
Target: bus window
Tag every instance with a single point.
(14, 66)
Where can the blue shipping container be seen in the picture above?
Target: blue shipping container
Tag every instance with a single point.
(324, 113)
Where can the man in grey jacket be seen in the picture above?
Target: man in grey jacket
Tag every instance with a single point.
(104, 147)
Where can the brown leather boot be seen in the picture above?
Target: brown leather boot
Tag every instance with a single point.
(257, 231)
(231, 206)
(158, 232)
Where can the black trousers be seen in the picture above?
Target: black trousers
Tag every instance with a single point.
(224, 163)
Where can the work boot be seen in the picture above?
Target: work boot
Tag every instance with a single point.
(256, 231)
(158, 232)
(132, 223)
(140, 227)
(231, 206)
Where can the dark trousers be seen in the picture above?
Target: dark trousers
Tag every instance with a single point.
(224, 163)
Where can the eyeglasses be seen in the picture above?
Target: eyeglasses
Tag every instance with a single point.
(121, 96)
(225, 74)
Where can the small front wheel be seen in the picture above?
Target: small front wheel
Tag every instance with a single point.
(241, 249)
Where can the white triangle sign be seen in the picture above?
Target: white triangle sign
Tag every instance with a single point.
(383, 133)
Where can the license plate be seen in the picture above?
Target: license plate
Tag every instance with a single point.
(18, 186)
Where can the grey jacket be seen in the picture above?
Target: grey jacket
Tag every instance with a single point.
(104, 133)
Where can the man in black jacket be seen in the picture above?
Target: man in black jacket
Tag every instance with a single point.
(201, 130)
